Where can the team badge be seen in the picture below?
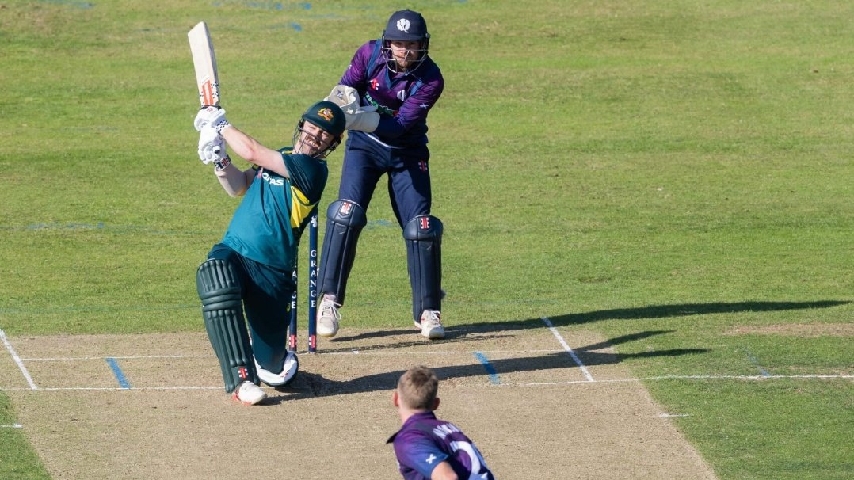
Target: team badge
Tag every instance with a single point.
(326, 114)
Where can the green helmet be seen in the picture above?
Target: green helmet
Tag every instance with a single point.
(327, 116)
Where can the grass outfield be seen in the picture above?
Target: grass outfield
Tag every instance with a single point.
(675, 174)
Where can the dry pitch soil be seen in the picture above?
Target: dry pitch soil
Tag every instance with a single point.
(152, 407)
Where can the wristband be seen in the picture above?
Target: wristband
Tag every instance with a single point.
(221, 125)
(220, 164)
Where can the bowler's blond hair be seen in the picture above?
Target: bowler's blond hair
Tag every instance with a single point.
(417, 388)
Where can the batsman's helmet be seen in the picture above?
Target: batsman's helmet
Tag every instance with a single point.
(329, 117)
(405, 25)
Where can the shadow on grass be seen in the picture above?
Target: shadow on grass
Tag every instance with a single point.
(654, 311)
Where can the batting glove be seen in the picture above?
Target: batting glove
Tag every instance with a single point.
(211, 146)
(210, 116)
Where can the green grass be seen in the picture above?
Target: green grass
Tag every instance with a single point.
(662, 172)
(18, 460)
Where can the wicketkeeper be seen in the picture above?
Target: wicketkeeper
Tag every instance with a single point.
(250, 270)
(386, 93)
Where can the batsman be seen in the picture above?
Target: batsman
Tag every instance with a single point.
(250, 269)
(386, 93)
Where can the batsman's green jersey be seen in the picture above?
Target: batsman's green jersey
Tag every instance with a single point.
(275, 210)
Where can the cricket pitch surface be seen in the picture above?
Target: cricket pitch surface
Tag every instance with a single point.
(542, 403)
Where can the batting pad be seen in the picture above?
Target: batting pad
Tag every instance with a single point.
(222, 308)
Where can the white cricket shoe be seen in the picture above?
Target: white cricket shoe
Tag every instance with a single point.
(328, 317)
(289, 371)
(431, 325)
(248, 393)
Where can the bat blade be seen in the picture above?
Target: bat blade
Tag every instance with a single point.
(204, 61)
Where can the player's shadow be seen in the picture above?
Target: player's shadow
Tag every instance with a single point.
(313, 385)
(651, 312)
(343, 343)
(503, 329)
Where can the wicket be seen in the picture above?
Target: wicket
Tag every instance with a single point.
(312, 292)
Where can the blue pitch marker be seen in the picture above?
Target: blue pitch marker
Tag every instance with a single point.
(493, 375)
(117, 371)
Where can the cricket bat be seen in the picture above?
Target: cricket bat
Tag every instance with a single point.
(204, 62)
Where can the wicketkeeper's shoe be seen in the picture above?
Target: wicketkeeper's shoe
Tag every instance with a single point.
(431, 325)
(328, 317)
(289, 371)
(249, 394)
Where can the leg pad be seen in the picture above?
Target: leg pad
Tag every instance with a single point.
(344, 222)
(423, 236)
(222, 308)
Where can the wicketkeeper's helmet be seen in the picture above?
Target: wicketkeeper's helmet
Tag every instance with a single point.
(406, 25)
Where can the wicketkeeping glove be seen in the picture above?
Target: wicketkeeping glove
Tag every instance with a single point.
(364, 119)
(211, 146)
(210, 116)
(345, 97)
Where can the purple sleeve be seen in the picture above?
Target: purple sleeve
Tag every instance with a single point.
(356, 75)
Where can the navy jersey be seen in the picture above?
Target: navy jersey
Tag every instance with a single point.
(275, 210)
(425, 441)
(403, 100)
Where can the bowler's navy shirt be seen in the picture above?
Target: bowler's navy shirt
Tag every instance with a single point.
(425, 441)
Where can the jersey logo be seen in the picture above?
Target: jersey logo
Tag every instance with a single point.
(277, 182)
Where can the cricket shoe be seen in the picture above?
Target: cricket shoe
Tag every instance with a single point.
(289, 371)
(431, 325)
(249, 394)
(328, 317)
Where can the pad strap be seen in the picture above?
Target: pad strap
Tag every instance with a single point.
(344, 222)
(423, 235)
